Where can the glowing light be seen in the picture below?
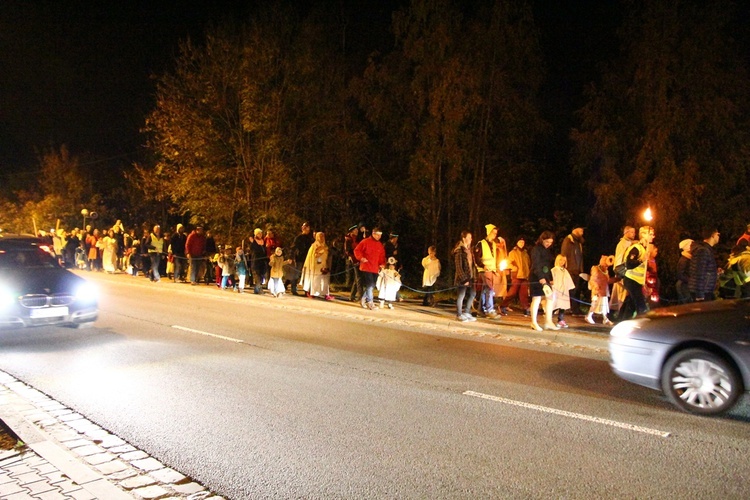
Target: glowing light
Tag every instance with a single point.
(503, 265)
(647, 215)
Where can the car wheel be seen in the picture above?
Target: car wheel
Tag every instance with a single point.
(700, 382)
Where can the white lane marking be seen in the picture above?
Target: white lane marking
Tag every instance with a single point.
(569, 414)
(207, 334)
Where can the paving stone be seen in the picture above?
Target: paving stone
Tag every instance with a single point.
(97, 433)
(78, 442)
(126, 448)
(28, 478)
(56, 477)
(111, 467)
(201, 495)
(111, 441)
(52, 495)
(168, 476)
(45, 468)
(65, 435)
(9, 489)
(101, 458)
(18, 469)
(68, 486)
(19, 496)
(69, 417)
(5, 478)
(134, 455)
(85, 451)
(148, 464)
(125, 474)
(137, 482)
(40, 486)
(151, 492)
(189, 488)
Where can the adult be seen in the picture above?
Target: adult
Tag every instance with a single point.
(540, 276)
(109, 253)
(735, 281)
(300, 247)
(371, 256)
(520, 264)
(636, 261)
(703, 268)
(69, 251)
(93, 250)
(195, 251)
(316, 272)
(464, 277)
(745, 236)
(391, 250)
(682, 285)
(155, 251)
(179, 241)
(119, 230)
(211, 250)
(619, 294)
(501, 280)
(486, 252)
(572, 250)
(258, 260)
(352, 265)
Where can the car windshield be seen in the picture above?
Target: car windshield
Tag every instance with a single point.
(30, 257)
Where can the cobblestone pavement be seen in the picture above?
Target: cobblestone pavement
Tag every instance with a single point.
(68, 457)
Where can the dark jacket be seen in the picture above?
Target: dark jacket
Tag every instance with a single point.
(178, 244)
(542, 262)
(683, 269)
(702, 270)
(465, 269)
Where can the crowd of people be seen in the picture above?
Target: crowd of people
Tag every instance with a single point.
(620, 285)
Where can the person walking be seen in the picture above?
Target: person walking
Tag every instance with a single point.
(636, 261)
(371, 256)
(431, 266)
(195, 251)
(465, 274)
(352, 266)
(520, 264)
(572, 250)
(487, 266)
(540, 279)
(300, 247)
(703, 268)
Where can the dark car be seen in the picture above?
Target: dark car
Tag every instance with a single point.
(698, 354)
(35, 290)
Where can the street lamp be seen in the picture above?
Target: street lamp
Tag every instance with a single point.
(85, 213)
(647, 215)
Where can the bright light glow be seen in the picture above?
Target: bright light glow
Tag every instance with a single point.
(7, 297)
(625, 328)
(503, 265)
(647, 215)
(87, 292)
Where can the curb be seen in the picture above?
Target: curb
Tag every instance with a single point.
(67, 456)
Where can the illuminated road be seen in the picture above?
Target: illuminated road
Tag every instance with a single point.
(257, 397)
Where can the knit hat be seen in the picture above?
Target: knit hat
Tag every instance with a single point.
(489, 228)
(258, 231)
(685, 245)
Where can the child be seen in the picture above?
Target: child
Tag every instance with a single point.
(389, 282)
(240, 263)
(226, 263)
(431, 265)
(599, 286)
(277, 263)
(562, 284)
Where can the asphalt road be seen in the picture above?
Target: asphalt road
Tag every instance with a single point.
(286, 398)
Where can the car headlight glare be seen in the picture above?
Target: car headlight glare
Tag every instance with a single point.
(626, 328)
(87, 292)
(7, 298)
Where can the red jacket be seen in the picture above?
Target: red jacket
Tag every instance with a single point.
(195, 246)
(373, 251)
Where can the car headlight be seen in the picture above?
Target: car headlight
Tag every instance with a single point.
(87, 292)
(7, 297)
(626, 328)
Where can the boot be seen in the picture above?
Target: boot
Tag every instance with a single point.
(535, 301)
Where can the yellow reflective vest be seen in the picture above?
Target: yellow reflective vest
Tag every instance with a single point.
(638, 274)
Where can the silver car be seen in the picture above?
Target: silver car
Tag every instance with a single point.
(697, 354)
(36, 291)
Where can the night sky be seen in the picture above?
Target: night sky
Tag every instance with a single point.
(79, 72)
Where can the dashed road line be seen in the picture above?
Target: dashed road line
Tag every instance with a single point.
(563, 413)
(208, 334)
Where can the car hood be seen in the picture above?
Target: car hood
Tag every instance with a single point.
(39, 281)
(693, 308)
